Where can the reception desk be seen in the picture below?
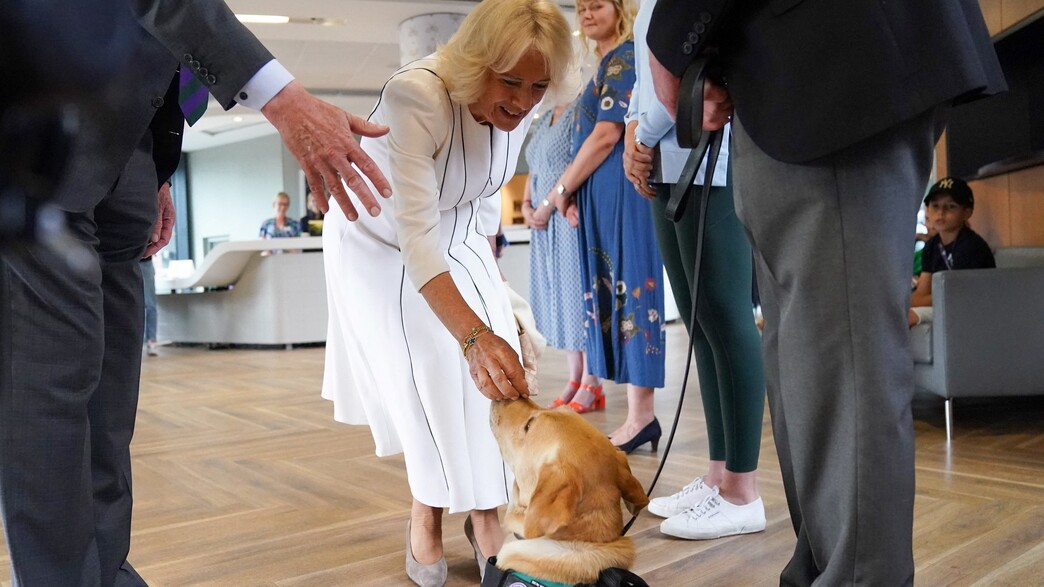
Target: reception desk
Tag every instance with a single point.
(240, 296)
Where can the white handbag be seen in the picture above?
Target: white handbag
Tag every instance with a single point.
(531, 342)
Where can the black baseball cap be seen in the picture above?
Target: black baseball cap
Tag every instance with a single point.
(953, 187)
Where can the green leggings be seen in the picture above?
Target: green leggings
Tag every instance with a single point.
(727, 344)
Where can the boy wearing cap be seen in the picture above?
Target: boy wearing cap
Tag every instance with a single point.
(949, 204)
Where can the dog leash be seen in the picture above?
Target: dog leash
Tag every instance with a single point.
(702, 144)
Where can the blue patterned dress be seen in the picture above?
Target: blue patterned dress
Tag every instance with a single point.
(270, 230)
(554, 258)
(620, 262)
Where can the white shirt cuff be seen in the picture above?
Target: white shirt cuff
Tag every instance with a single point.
(266, 83)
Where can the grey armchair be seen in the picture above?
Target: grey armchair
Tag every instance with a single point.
(986, 338)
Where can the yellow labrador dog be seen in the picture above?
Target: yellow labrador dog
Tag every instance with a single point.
(565, 504)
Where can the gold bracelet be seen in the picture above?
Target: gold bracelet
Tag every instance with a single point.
(469, 340)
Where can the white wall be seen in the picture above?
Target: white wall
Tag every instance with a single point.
(231, 189)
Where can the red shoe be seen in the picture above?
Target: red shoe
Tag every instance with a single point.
(575, 385)
(597, 402)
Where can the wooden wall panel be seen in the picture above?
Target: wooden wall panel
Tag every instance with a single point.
(991, 12)
(992, 218)
(1009, 209)
(1012, 11)
(1026, 188)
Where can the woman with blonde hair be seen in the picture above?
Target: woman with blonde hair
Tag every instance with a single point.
(279, 226)
(620, 263)
(421, 335)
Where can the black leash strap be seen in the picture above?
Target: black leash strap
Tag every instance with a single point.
(690, 135)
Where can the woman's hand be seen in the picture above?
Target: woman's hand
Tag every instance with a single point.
(527, 213)
(637, 161)
(542, 214)
(496, 369)
(572, 215)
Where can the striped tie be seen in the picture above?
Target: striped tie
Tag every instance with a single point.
(192, 96)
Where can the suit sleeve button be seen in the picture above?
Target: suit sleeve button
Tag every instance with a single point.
(687, 48)
(157, 102)
(705, 17)
(211, 80)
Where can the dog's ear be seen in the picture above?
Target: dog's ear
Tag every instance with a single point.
(554, 500)
(630, 489)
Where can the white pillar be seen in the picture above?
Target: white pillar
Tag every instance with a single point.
(420, 35)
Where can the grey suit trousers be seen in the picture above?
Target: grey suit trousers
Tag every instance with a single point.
(71, 359)
(832, 247)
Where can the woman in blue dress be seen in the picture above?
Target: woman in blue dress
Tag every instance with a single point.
(555, 292)
(280, 226)
(619, 260)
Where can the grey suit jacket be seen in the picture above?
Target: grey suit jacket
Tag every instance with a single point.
(810, 77)
(203, 35)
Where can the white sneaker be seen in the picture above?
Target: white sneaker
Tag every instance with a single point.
(690, 495)
(714, 518)
(150, 348)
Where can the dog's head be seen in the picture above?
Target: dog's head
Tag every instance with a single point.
(570, 478)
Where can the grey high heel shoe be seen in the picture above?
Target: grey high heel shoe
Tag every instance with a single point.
(433, 575)
(469, 531)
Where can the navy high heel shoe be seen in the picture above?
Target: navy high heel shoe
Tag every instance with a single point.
(651, 433)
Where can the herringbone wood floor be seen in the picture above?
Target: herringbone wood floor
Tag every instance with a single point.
(242, 478)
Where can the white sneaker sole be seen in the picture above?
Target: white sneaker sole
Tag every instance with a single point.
(711, 535)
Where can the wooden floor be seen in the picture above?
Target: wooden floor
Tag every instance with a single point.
(242, 478)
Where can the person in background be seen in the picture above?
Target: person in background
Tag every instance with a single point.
(924, 233)
(422, 335)
(70, 350)
(949, 205)
(148, 277)
(312, 213)
(724, 501)
(280, 226)
(835, 108)
(620, 264)
(555, 290)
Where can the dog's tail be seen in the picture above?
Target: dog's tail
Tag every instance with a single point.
(565, 562)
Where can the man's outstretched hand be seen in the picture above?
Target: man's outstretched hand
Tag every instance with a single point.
(320, 137)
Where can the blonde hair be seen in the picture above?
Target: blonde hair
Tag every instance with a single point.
(281, 196)
(625, 13)
(495, 36)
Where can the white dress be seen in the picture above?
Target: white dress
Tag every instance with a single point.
(390, 363)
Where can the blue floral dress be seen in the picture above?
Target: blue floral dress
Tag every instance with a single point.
(555, 292)
(620, 262)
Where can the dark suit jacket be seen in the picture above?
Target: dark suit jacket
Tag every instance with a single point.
(203, 35)
(810, 77)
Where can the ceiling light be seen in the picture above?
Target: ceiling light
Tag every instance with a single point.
(321, 21)
(263, 19)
